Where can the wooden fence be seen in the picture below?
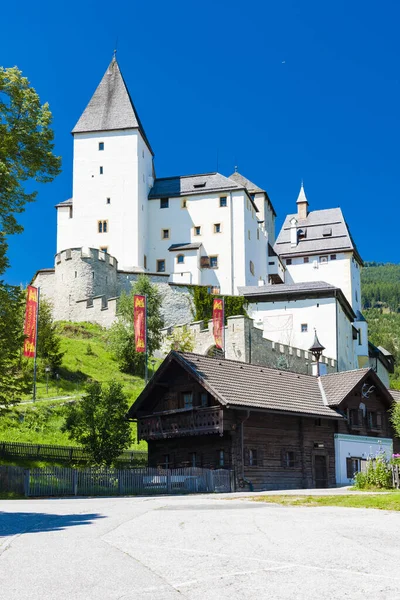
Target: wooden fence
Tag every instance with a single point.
(67, 453)
(396, 476)
(59, 481)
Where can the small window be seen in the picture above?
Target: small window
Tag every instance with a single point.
(102, 226)
(101, 145)
(145, 261)
(288, 261)
(164, 203)
(252, 457)
(289, 459)
(104, 249)
(108, 201)
(304, 327)
(217, 227)
(204, 399)
(318, 422)
(248, 233)
(333, 256)
(251, 267)
(327, 231)
(356, 417)
(213, 262)
(223, 201)
(142, 153)
(188, 400)
(323, 259)
(200, 185)
(184, 203)
(161, 265)
(258, 234)
(167, 462)
(306, 259)
(101, 170)
(353, 466)
(221, 458)
(193, 459)
(71, 212)
(197, 230)
(165, 234)
(180, 259)
(302, 234)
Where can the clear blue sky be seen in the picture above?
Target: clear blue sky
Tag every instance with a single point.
(287, 90)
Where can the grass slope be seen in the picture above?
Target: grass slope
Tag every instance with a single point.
(382, 501)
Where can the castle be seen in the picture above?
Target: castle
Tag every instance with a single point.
(204, 229)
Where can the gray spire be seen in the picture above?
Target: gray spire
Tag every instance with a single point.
(302, 195)
(317, 347)
(110, 107)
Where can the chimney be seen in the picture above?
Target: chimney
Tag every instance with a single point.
(293, 232)
(302, 205)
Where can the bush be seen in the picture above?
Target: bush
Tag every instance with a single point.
(378, 474)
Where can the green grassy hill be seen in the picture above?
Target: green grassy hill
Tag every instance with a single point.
(87, 357)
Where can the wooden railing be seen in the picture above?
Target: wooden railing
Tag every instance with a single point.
(196, 421)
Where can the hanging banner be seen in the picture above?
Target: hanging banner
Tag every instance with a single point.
(139, 322)
(218, 322)
(31, 315)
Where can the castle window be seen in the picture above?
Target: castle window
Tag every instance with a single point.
(183, 203)
(108, 200)
(258, 234)
(145, 261)
(165, 234)
(164, 203)
(104, 249)
(306, 259)
(161, 265)
(251, 267)
(180, 259)
(101, 170)
(288, 261)
(304, 328)
(101, 145)
(102, 226)
(223, 201)
(333, 256)
(197, 230)
(323, 259)
(248, 233)
(213, 262)
(217, 227)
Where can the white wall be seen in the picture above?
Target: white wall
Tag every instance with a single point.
(340, 272)
(124, 168)
(347, 357)
(281, 322)
(354, 446)
(231, 245)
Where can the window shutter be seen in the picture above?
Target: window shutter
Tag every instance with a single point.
(379, 420)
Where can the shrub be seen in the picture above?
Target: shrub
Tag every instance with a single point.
(378, 474)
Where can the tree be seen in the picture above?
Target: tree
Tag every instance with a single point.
(26, 153)
(26, 145)
(395, 418)
(122, 336)
(181, 339)
(48, 342)
(97, 422)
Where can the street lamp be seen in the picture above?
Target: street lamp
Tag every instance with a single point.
(153, 363)
(316, 350)
(47, 370)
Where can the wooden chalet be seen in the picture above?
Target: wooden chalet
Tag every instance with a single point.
(275, 429)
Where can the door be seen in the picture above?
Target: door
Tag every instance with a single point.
(321, 471)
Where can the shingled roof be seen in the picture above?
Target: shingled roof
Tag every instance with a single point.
(326, 231)
(111, 107)
(241, 385)
(184, 185)
(338, 385)
(251, 187)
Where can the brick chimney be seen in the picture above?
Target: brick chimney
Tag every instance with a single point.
(302, 205)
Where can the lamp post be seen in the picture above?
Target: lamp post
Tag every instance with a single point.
(153, 363)
(47, 370)
(316, 350)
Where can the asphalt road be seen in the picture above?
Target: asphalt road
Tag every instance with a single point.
(196, 548)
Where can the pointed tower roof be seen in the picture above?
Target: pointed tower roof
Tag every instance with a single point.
(110, 107)
(317, 346)
(302, 195)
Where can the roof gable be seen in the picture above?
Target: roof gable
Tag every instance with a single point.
(185, 185)
(339, 386)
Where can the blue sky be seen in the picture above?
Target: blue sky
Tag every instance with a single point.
(285, 90)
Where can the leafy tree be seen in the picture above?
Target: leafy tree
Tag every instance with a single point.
(122, 337)
(181, 339)
(203, 301)
(395, 418)
(97, 422)
(48, 343)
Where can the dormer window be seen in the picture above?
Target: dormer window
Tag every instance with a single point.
(200, 185)
(327, 231)
(301, 234)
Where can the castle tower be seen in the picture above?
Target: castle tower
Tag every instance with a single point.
(112, 176)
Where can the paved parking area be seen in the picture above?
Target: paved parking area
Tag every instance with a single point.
(194, 547)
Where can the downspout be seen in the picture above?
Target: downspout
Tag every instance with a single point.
(249, 483)
(337, 334)
(232, 246)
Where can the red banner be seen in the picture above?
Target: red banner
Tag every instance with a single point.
(218, 322)
(31, 315)
(139, 322)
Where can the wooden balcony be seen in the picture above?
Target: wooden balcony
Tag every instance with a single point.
(179, 423)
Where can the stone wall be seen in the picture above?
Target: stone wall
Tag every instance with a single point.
(245, 343)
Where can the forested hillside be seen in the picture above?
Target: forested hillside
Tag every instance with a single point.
(381, 307)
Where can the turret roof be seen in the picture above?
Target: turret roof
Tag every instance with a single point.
(111, 107)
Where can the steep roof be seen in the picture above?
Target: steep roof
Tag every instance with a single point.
(68, 202)
(184, 185)
(111, 107)
(251, 187)
(339, 385)
(243, 385)
(326, 231)
(395, 395)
